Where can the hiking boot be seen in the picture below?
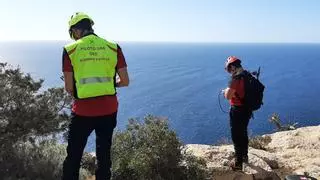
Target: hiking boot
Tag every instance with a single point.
(237, 166)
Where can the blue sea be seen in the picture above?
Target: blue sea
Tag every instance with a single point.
(181, 81)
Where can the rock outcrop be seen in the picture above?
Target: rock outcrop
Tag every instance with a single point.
(296, 151)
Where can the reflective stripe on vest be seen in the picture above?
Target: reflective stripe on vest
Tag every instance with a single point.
(95, 80)
(94, 63)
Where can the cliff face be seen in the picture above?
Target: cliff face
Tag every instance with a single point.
(287, 152)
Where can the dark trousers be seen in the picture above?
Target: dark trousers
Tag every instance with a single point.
(239, 119)
(79, 130)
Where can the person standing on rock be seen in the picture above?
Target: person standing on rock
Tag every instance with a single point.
(90, 65)
(239, 114)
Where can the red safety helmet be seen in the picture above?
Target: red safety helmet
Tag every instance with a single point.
(230, 60)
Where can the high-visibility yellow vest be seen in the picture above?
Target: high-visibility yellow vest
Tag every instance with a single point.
(94, 63)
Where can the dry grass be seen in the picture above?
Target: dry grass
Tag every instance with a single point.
(260, 142)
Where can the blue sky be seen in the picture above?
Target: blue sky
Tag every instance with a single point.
(166, 20)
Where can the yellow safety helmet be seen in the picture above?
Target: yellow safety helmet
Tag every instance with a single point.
(77, 17)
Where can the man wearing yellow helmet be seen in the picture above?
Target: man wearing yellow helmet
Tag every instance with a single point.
(90, 66)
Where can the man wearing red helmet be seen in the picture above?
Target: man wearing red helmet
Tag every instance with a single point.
(239, 114)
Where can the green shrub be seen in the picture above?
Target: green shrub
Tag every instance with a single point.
(39, 161)
(151, 150)
(88, 162)
(28, 116)
(26, 110)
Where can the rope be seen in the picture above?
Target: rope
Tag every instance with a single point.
(219, 95)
